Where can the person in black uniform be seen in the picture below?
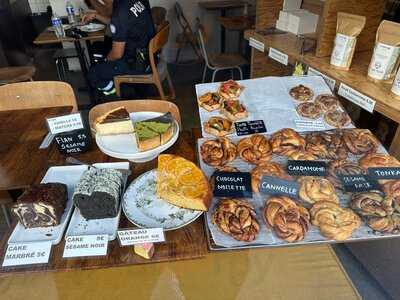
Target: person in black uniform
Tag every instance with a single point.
(132, 28)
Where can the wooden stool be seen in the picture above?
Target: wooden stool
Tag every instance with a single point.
(16, 74)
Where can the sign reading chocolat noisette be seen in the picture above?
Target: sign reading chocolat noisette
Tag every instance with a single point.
(232, 184)
(276, 186)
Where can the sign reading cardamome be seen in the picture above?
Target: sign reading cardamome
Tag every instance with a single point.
(276, 186)
(307, 168)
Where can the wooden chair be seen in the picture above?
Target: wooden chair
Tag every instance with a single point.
(134, 106)
(159, 17)
(16, 74)
(219, 62)
(159, 71)
(36, 94)
(186, 37)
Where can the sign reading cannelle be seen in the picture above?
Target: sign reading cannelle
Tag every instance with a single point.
(276, 186)
(384, 173)
(129, 237)
(27, 254)
(85, 245)
(232, 184)
(358, 183)
(307, 168)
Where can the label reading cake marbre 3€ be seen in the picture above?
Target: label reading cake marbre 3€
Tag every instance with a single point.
(85, 245)
(27, 254)
(129, 237)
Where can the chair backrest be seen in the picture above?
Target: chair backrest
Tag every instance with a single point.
(36, 94)
(202, 36)
(183, 22)
(159, 40)
(159, 17)
(135, 106)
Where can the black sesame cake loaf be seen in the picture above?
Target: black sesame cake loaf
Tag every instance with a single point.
(98, 192)
(41, 205)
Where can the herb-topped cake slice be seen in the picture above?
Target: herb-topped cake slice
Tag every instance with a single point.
(154, 132)
(116, 121)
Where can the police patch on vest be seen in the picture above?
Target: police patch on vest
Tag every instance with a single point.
(137, 8)
(113, 29)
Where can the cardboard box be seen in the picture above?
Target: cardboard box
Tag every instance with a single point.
(291, 4)
(302, 22)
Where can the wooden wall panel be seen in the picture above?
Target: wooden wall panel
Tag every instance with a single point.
(262, 66)
(267, 13)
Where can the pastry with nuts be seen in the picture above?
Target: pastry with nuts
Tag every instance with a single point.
(327, 102)
(337, 118)
(301, 93)
(309, 110)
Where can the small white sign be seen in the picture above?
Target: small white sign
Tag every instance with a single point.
(27, 254)
(356, 97)
(309, 124)
(141, 236)
(278, 56)
(85, 245)
(256, 44)
(329, 81)
(65, 123)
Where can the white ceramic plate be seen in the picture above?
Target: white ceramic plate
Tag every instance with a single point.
(80, 226)
(92, 27)
(67, 175)
(144, 209)
(124, 146)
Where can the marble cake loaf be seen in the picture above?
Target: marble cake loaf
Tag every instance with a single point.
(41, 205)
(97, 193)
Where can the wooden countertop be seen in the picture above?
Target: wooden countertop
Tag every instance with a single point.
(49, 37)
(215, 5)
(356, 77)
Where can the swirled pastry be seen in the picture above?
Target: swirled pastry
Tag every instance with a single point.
(218, 152)
(218, 126)
(392, 191)
(327, 102)
(372, 204)
(301, 93)
(342, 167)
(315, 189)
(378, 160)
(226, 169)
(326, 145)
(270, 168)
(297, 154)
(309, 110)
(210, 101)
(230, 89)
(334, 222)
(337, 118)
(360, 141)
(237, 218)
(285, 140)
(255, 149)
(388, 224)
(289, 220)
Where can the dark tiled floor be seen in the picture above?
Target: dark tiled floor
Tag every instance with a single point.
(185, 77)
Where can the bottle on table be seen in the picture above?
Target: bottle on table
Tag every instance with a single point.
(70, 12)
(58, 27)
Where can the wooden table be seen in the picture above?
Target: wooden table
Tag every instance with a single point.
(356, 78)
(222, 6)
(238, 23)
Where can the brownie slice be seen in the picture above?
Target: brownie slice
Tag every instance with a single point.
(98, 192)
(41, 205)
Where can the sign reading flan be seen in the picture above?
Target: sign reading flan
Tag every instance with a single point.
(180, 182)
(116, 121)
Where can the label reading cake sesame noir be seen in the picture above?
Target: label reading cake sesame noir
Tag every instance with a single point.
(276, 186)
(232, 184)
(307, 168)
(85, 245)
(358, 183)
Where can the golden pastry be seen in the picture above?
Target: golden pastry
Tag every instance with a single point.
(337, 118)
(333, 221)
(285, 140)
(378, 160)
(270, 168)
(327, 102)
(342, 167)
(255, 149)
(326, 145)
(301, 93)
(372, 204)
(315, 189)
(210, 101)
(218, 152)
(237, 218)
(230, 89)
(392, 190)
(233, 110)
(309, 110)
(360, 141)
(300, 155)
(290, 221)
(218, 126)
(389, 224)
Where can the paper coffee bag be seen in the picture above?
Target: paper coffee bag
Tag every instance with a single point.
(396, 85)
(348, 28)
(386, 55)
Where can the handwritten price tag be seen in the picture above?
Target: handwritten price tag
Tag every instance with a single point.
(256, 44)
(65, 123)
(357, 98)
(141, 236)
(278, 56)
(85, 245)
(27, 254)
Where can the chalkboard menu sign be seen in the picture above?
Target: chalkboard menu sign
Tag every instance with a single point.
(276, 186)
(358, 183)
(73, 142)
(250, 127)
(307, 168)
(232, 184)
(384, 173)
